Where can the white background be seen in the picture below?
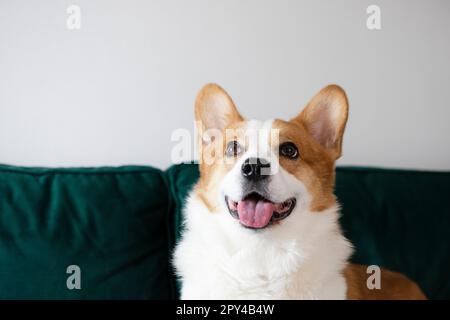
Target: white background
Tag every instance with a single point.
(112, 92)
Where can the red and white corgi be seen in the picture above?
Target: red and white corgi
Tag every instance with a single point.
(262, 221)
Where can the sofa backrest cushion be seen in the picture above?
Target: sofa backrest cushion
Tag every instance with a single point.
(112, 223)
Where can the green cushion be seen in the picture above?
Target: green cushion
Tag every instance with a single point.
(398, 219)
(181, 179)
(111, 222)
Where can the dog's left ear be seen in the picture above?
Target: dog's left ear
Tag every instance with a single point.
(325, 117)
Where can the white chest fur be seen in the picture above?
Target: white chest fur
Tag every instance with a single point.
(302, 258)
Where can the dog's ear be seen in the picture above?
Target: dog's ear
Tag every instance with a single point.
(214, 108)
(325, 117)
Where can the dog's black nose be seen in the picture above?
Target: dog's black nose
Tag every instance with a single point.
(255, 169)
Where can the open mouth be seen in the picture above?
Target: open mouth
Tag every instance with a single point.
(256, 212)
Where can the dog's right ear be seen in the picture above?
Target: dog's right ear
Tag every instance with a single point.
(214, 109)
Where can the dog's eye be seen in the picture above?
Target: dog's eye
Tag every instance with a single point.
(288, 149)
(233, 149)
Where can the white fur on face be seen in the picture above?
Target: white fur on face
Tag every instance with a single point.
(263, 143)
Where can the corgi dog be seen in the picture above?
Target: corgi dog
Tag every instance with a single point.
(262, 221)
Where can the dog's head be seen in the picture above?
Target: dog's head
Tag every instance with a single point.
(262, 173)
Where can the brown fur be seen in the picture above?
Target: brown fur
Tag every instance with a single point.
(314, 167)
(211, 96)
(394, 285)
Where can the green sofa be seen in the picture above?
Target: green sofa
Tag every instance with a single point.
(119, 225)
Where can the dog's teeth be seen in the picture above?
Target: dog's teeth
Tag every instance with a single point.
(232, 204)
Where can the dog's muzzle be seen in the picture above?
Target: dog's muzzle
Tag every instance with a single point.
(254, 211)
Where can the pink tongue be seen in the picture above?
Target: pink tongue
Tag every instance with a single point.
(255, 214)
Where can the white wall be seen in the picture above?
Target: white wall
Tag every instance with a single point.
(112, 92)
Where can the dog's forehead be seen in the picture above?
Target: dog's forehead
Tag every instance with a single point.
(259, 132)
